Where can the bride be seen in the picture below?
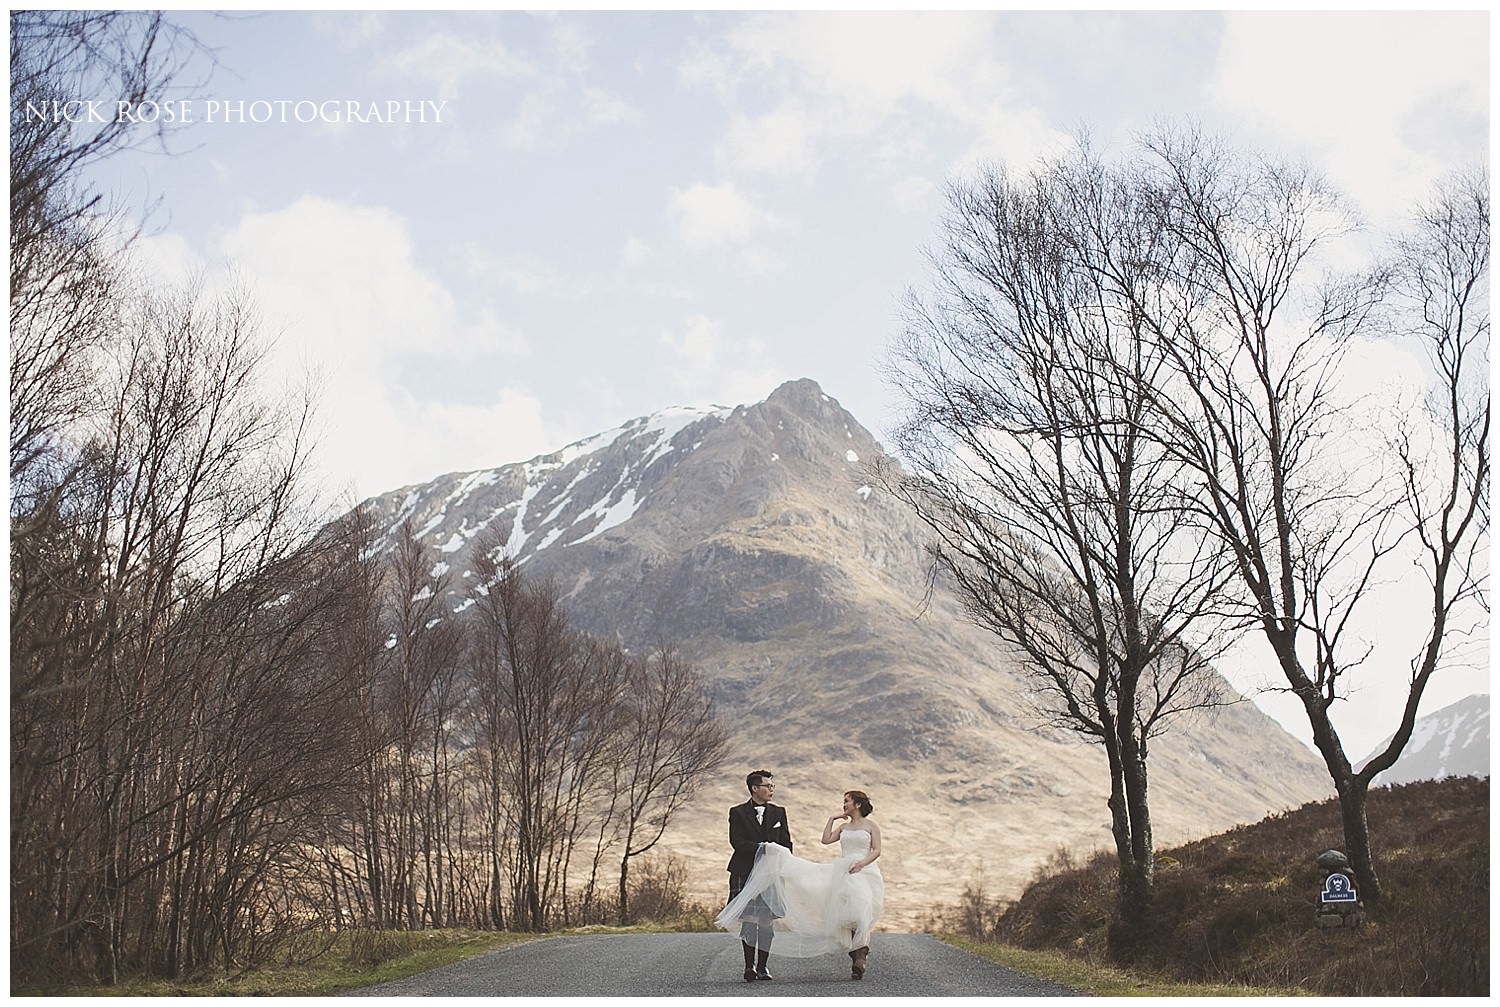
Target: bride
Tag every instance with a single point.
(820, 908)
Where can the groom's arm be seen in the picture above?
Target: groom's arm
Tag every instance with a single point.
(741, 837)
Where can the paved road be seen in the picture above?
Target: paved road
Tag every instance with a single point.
(698, 965)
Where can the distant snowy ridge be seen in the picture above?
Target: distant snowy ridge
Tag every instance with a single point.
(1454, 741)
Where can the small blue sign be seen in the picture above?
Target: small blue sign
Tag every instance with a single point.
(1338, 888)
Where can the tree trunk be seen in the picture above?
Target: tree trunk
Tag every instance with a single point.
(1137, 875)
(1352, 791)
(624, 889)
(1357, 840)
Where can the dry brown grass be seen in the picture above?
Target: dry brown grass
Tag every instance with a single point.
(1238, 908)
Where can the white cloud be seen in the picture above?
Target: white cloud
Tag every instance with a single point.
(351, 31)
(708, 367)
(777, 143)
(532, 123)
(454, 437)
(342, 286)
(554, 113)
(713, 216)
(490, 335)
(1383, 101)
(761, 261)
(914, 193)
(347, 269)
(635, 253)
(601, 107)
(865, 64)
(542, 99)
(570, 44)
(452, 62)
(523, 274)
(167, 256)
(896, 86)
(696, 349)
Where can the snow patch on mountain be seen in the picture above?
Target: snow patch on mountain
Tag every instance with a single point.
(557, 500)
(612, 515)
(1454, 741)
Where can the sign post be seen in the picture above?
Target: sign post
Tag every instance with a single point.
(1338, 901)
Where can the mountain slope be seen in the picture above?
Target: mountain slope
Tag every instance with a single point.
(752, 538)
(1454, 741)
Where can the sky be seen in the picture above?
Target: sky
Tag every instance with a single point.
(577, 218)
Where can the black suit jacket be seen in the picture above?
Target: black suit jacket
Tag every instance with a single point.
(746, 835)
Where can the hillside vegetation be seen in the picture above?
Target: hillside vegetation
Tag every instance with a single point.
(1238, 908)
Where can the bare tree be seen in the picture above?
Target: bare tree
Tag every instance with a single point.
(351, 849)
(64, 240)
(1056, 512)
(553, 696)
(1441, 308)
(415, 681)
(168, 746)
(587, 792)
(169, 707)
(672, 741)
(493, 734)
(60, 60)
(1257, 411)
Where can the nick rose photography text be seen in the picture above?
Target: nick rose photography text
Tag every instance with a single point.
(236, 112)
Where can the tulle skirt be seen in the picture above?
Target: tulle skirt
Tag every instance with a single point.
(806, 908)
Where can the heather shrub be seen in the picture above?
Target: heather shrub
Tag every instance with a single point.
(658, 892)
(1240, 908)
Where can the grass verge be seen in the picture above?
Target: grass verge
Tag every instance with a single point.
(351, 962)
(1099, 980)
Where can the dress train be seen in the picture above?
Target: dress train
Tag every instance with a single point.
(806, 908)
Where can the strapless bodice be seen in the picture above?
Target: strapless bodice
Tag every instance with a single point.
(854, 842)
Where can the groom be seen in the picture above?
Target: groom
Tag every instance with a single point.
(750, 824)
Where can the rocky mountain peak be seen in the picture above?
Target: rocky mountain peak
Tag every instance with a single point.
(805, 401)
(754, 540)
(584, 490)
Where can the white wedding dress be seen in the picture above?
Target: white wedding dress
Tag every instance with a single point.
(816, 909)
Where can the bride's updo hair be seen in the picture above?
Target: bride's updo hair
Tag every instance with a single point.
(861, 801)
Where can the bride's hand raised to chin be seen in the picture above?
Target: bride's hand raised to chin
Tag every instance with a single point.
(832, 829)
